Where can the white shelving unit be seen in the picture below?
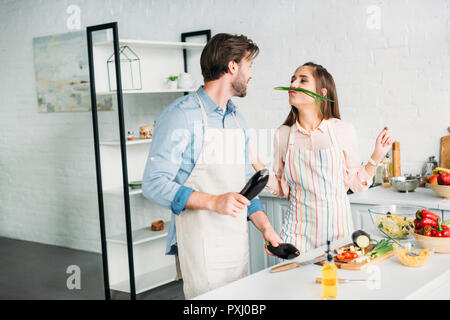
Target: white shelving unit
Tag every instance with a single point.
(129, 142)
(153, 44)
(158, 61)
(152, 267)
(126, 92)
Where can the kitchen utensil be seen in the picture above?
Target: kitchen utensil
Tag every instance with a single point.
(385, 173)
(284, 250)
(396, 159)
(397, 220)
(412, 254)
(319, 280)
(405, 184)
(358, 266)
(440, 245)
(256, 184)
(445, 151)
(441, 190)
(429, 166)
(293, 265)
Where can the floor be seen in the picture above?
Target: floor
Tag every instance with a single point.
(35, 271)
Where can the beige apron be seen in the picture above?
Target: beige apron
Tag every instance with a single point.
(212, 247)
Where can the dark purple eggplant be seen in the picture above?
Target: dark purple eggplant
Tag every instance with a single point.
(284, 250)
(361, 239)
(256, 184)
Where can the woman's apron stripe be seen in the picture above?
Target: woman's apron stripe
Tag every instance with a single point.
(315, 195)
(302, 186)
(296, 210)
(325, 190)
(288, 226)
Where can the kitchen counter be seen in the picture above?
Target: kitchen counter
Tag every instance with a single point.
(394, 281)
(421, 197)
(379, 195)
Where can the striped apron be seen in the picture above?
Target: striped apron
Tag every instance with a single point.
(319, 209)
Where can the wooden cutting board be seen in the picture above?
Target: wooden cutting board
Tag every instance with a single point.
(350, 265)
(445, 151)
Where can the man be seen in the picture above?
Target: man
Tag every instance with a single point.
(198, 163)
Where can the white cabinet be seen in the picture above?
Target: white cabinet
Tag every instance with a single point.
(158, 60)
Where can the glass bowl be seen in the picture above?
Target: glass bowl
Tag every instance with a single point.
(412, 261)
(395, 220)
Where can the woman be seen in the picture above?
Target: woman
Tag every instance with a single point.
(316, 161)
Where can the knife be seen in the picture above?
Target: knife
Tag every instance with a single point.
(319, 280)
(293, 265)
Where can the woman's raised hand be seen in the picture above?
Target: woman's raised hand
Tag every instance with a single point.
(382, 145)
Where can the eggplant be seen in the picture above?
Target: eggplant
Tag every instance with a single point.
(284, 250)
(361, 239)
(256, 184)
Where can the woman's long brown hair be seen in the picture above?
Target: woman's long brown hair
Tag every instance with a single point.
(323, 80)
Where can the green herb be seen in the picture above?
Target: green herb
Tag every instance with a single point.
(172, 78)
(309, 93)
(383, 246)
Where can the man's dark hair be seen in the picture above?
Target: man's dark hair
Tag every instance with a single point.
(223, 48)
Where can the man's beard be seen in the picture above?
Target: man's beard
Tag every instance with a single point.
(239, 86)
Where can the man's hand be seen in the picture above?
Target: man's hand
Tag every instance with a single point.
(231, 203)
(270, 235)
(262, 223)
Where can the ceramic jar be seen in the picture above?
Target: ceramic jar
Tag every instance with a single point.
(185, 81)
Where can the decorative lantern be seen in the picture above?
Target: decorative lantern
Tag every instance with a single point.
(130, 67)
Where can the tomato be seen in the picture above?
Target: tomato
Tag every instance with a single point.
(354, 255)
(427, 234)
(341, 256)
(348, 255)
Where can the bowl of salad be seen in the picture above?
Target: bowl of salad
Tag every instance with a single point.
(395, 220)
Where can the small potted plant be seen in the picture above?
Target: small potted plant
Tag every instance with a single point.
(172, 82)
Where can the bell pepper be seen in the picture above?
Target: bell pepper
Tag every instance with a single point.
(442, 230)
(425, 217)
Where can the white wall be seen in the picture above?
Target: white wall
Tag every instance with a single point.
(397, 75)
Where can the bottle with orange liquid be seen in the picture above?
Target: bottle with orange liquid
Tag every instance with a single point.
(329, 277)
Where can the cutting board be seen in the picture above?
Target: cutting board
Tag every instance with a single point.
(445, 151)
(349, 265)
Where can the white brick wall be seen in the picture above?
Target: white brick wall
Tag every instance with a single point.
(396, 76)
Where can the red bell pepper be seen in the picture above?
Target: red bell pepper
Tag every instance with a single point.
(442, 230)
(425, 217)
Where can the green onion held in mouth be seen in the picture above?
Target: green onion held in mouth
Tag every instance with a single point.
(309, 93)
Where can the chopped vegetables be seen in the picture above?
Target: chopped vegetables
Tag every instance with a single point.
(382, 247)
(396, 227)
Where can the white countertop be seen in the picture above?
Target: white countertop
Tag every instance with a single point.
(431, 281)
(421, 197)
(378, 195)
